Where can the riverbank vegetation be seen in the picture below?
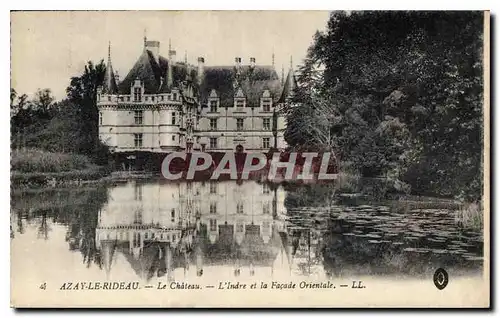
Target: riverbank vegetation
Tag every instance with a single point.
(398, 95)
(58, 139)
(470, 216)
(38, 168)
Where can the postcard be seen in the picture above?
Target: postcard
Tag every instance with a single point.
(225, 159)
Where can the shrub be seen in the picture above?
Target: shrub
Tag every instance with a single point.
(33, 160)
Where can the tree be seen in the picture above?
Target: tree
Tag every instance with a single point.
(82, 91)
(402, 94)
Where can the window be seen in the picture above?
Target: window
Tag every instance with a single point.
(213, 142)
(239, 208)
(266, 105)
(100, 118)
(122, 99)
(265, 142)
(239, 228)
(147, 98)
(213, 207)
(239, 123)
(213, 123)
(137, 94)
(128, 98)
(266, 123)
(265, 208)
(138, 140)
(109, 98)
(265, 188)
(138, 193)
(172, 215)
(213, 225)
(161, 98)
(173, 138)
(213, 188)
(138, 117)
(169, 97)
(240, 103)
(266, 228)
(152, 98)
(173, 118)
(175, 96)
(213, 106)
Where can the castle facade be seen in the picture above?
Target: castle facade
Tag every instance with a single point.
(164, 105)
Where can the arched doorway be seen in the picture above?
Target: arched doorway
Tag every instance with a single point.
(239, 149)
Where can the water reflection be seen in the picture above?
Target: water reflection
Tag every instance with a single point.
(194, 229)
(161, 227)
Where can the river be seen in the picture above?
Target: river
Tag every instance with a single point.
(158, 231)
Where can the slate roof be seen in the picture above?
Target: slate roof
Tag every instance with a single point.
(288, 87)
(154, 74)
(225, 80)
(252, 80)
(109, 85)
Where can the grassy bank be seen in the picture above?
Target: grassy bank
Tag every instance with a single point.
(470, 216)
(38, 168)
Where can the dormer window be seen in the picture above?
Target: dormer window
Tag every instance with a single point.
(137, 94)
(266, 105)
(175, 96)
(240, 103)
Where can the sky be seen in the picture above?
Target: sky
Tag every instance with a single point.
(49, 47)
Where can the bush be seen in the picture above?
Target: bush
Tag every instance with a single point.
(33, 160)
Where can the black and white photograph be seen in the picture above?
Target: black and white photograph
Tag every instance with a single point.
(183, 159)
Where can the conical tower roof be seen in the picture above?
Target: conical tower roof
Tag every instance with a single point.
(109, 86)
(289, 86)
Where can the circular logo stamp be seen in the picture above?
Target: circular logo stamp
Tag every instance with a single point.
(440, 278)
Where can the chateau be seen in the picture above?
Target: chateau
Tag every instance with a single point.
(164, 105)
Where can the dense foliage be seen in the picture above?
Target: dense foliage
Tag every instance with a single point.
(397, 94)
(67, 126)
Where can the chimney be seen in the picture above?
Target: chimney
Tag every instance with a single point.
(153, 47)
(172, 55)
(117, 78)
(252, 62)
(237, 62)
(201, 68)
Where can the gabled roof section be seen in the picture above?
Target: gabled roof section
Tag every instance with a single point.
(148, 71)
(289, 86)
(252, 80)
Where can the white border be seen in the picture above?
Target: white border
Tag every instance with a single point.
(200, 5)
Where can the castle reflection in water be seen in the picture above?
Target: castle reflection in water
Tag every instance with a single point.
(196, 227)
